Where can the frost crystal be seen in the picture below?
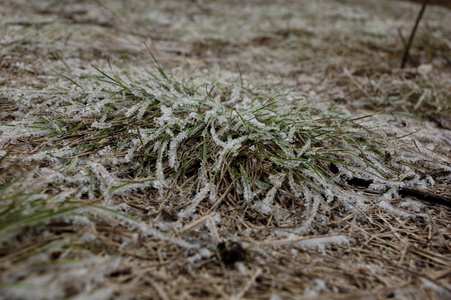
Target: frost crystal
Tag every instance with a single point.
(321, 243)
(173, 163)
(199, 197)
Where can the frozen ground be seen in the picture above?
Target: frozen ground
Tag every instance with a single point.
(138, 135)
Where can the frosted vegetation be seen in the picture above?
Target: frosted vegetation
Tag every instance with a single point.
(184, 139)
(180, 141)
(182, 158)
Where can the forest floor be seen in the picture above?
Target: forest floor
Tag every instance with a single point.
(224, 149)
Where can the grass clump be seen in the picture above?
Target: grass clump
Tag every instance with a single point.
(177, 142)
(176, 139)
(201, 135)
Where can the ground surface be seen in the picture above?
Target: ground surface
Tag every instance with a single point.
(352, 203)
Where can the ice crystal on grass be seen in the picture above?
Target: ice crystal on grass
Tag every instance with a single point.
(312, 211)
(247, 193)
(412, 205)
(186, 213)
(386, 206)
(173, 162)
(321, 243)
(169, 152)
(160, 119)
(276, 180)
(132, 153)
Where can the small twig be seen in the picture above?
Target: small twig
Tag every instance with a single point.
(213, 228)
(197, 222)
(292, 240)
(220, 199)
(412, 34)
(404, 44)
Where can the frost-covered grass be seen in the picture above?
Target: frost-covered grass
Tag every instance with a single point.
(250, 122)
(196, 137)
(191, 144)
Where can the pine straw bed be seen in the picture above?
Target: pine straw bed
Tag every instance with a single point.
(278, 178)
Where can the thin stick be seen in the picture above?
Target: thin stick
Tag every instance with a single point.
(220, 199)
(197, 222)
(404, 44)
(213, 228)
(412, 34)
(294, 240)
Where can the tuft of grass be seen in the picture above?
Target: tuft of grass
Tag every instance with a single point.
(187, 134)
